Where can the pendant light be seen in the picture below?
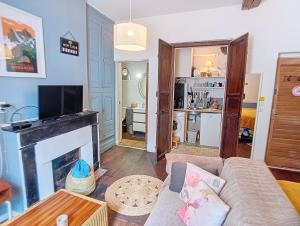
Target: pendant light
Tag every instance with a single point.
(130, 36)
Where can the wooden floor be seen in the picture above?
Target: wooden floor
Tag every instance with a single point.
(281, 174)
(244, 150)
(122, 161)
(133, 137)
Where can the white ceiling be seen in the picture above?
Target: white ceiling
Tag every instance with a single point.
(119, 9)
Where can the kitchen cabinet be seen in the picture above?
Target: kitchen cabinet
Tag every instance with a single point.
(183, 62)
(139, 120)
(210, 129)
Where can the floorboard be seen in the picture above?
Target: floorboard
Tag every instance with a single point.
(121, 162)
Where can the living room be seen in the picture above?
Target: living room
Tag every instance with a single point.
(62, 122)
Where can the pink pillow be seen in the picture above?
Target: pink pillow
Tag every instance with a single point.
(193, 176)
(203, 208)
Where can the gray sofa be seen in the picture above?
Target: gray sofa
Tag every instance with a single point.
(250, 190)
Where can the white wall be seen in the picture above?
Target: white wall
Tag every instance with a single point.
(273, 27)
(251, 88)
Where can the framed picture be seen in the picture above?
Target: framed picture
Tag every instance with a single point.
(21, 44)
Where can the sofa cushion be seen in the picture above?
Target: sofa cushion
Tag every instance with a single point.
(292, 190)
(204, 206)
(165, 210)
(211, 164)
(254, 196)
(194, 175)
(177, 176)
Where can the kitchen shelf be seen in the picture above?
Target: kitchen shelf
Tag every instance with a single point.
(207, 77)
(215, 77)
(208, 87)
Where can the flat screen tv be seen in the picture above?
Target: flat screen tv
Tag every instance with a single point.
(55, 101)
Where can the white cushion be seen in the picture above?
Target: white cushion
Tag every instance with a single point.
(193, 176)
(204, 208)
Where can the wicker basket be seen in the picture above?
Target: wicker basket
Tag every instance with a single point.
(192, 136)
(83, 186)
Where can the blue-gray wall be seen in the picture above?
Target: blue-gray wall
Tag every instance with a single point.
(59, 17)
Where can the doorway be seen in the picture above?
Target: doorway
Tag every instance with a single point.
(233, 94)
(248, 115)
(283, 148)
(199, 90)
(132, 117)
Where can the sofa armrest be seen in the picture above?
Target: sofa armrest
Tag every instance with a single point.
(207, 163)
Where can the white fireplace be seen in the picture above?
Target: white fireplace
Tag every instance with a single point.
(52, 148)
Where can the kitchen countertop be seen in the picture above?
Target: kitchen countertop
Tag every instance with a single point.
(208, 110)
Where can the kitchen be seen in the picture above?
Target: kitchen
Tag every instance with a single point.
(200, 79)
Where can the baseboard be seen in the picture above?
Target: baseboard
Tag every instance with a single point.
(105, 145)
(284, 168)
(99, 173)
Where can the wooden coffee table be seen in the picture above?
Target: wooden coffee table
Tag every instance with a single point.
(81, 210)
(5, 196)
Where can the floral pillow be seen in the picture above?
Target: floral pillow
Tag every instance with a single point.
(204, 207)
(193, 176)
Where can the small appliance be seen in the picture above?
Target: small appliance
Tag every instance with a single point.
(179, 96)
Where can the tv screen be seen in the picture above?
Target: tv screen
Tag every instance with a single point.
(55, 101)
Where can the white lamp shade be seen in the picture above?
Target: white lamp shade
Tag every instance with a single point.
(130, 36)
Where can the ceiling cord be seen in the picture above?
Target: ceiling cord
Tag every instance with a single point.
(130, 9)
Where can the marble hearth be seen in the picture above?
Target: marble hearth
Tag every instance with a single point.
(32, 152)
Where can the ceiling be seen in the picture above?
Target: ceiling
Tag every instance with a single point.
(119, 9)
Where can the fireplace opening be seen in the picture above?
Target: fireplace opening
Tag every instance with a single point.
(61, 166)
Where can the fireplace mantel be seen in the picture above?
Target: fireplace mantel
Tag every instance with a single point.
(29, 153)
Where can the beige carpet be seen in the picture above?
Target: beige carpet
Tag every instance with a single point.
(196, 150)
(133, 195)
(133, 143)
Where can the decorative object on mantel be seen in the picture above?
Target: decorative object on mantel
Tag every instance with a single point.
(130, 36)
(81, 179)
(133, 195)
(69, 46)
(22, 45)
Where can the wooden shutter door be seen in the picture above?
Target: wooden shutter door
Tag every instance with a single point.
(236, 67)
(283, 149)
(164, 98)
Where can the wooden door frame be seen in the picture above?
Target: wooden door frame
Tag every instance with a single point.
(238, 95)
(195, 44)
(118, 84)
(171, 101)
(217, 42)
(281, 57)
(221, 42)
